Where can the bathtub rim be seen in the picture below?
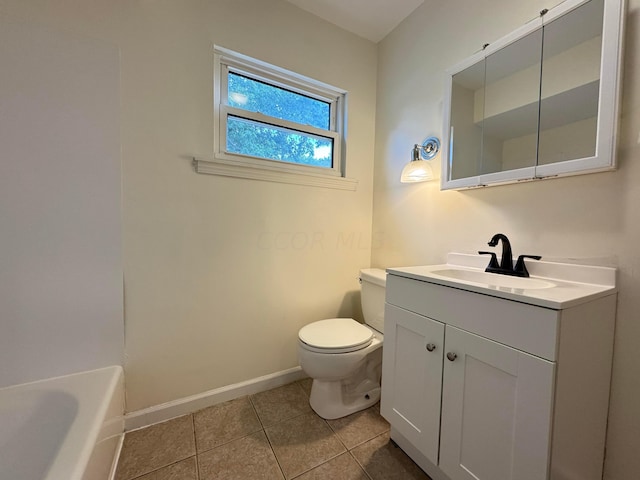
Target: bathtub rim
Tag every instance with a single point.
(76, 449)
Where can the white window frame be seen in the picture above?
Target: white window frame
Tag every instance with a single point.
(244, 166)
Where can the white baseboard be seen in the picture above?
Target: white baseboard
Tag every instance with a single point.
(183, 406)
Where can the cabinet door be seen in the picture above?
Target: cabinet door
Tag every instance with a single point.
(496, 410)
(412, 377)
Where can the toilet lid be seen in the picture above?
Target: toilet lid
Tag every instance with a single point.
(336, 334)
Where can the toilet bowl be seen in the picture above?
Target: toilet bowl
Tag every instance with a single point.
(344, 357)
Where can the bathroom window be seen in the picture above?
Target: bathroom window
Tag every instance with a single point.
(273, 124)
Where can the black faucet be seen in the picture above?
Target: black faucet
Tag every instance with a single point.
(505, 267)
(506, 263)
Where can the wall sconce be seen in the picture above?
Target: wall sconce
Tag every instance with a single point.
(418, 170)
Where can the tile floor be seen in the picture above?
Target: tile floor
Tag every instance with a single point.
(270, 435)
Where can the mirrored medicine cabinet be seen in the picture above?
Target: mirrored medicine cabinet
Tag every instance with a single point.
(540, 102)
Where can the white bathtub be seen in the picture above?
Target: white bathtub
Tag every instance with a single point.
(64, 428)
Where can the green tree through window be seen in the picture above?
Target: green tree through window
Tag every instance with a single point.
(276, 125)
(264, 140)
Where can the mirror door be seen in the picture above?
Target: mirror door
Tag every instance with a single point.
(540, 102)
(467, 110)
(511, 94)
(570, 85)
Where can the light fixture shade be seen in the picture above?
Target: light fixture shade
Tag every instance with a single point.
(420, 170)
(417, 171)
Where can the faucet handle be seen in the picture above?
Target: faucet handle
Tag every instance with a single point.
(520, 268)
(493, 263)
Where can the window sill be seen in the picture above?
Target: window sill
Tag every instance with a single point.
(225, 168)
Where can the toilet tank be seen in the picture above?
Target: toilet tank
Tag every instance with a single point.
(373, 281)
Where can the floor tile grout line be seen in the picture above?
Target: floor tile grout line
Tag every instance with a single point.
(301, 388)
(244, 435)
(336, 434)
(318, 465)
(281, 420)
(195, 436)
(153, 469)
(195, 444)
(193, 433)
(159, 468)
(230, 441)
(164, 466)
(264, 430)
(240, 438)
(358, 444)
(346, 450)
(362, 467)
(274, 454)
(367, 440)
(287, 419)
(396, 446)
(356, 459)
(255, 410)
(218, 405)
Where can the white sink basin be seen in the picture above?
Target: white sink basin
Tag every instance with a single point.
(493, 279)
(552, 284)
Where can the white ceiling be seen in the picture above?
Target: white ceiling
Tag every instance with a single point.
(371, 19)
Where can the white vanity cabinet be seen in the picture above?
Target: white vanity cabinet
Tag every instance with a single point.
(480, 387)
(496, 410)
(414, 369)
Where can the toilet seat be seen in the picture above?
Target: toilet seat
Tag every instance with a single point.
(335, 335)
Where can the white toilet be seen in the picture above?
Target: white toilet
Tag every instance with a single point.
(344, 357)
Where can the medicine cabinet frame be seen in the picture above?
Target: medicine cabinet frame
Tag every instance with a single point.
(609, 92)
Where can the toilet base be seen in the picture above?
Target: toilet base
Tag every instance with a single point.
(335, 399)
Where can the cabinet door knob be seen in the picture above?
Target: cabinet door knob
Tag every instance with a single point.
(431, 347)
(451, 356)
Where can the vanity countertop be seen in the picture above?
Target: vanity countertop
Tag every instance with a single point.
(551, 284)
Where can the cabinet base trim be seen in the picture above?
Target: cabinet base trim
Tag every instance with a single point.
(423, 462)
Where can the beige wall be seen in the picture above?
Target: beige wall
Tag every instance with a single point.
(61, 308)
(591, 218)
(220, 273)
